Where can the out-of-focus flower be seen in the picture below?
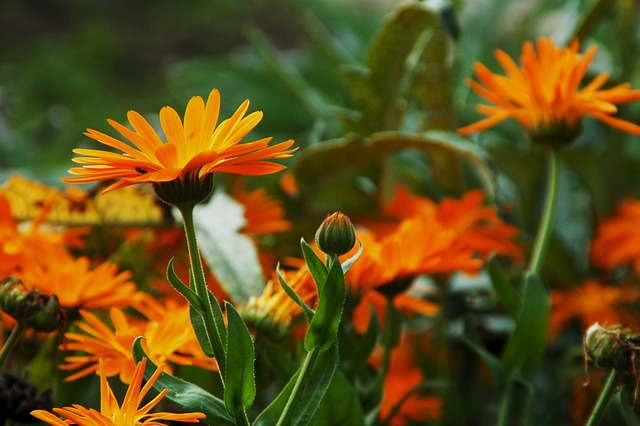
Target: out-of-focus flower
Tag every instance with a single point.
(544, 95)
(169, 337)
(589, 303)
(617, 240)
(403, 402)
(77, 285)
(193, 149)
(263, 214)
(274, 310)
(111, 413)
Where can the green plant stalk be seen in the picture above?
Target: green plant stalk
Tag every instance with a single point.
(202, 290)
(538, 253)
(11, 342)
(603, 400)
(301, 382)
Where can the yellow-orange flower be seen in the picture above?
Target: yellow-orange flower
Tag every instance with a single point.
(111, 413)
(263, 214)
(199, 145)
(589, 303)
(544, 95)
(78, 285)
(617, 241)
(169, 337)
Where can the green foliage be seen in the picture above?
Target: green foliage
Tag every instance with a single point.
(240, 386)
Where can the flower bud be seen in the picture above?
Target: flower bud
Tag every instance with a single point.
(336, 235)
(610, 347)
(33, 309)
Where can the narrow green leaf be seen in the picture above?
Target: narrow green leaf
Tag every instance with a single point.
(311, 395)
(315, 264)
(364, 346)
(219, 319)
(294, 296)
(503, 288)
(197, 322)
(471, 339)
(346, 265)
(187, 395)
(182, 288)
(324, 325)
(340, 406)
(526, 346)
(240, 385)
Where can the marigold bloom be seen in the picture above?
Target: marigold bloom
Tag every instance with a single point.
(78, 285)
(543, 94)
(263, 214)
(111, 413)
(168, 338)
(617, 241)
(199, 145)
(589, 303)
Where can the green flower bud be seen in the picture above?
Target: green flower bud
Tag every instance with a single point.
(33, 309)
(336, 235)
(610, 347)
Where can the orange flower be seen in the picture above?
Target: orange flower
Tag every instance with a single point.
(77, 285)
(544, 93)
(111, 413)
(263, 214)
(589, 303)
(617, 241)
(402, 401)
(197, 146)
(168, 337)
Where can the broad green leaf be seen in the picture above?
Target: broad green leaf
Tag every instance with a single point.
(315, 264)
(527, 344)
(230, 255)
(187, 395)
(376, 88)
(340, 406)
(324, 325)
(197, 322)
(239, 383)
(294, 296)
(503, 288)
(311, 394)
(182, 288)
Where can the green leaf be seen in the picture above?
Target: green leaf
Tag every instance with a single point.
(470, 338)
(197, 322)
(230, 255)
(503, 288)
(311, 395)
(346, 265)
(324, 325)
(315, 264)
(340, 406)
(183, 289)
(187, 395)
(239, 383)
(309, 313)
(527, 344)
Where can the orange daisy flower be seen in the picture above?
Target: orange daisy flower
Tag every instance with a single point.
(591, 302)
(78, 285)
(111, 413)
(263, 214)
(544, 94)
(168, 338)
(617, 240)
(198, 146)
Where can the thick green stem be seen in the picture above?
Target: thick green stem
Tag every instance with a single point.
(201, 289)
(10, 342)
(301, 382)
(603, 400)
(546, 221)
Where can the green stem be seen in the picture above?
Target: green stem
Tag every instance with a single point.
(10, 342)
(212, 315)
(303, 378)
(546, 221)
(603, 400)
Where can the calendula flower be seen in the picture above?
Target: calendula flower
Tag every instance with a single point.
(591, 302)
(193, 149)
(544, 93)
(168, 338)
(112, 413)
(617, 240)
(79, 285)
(262, 213)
